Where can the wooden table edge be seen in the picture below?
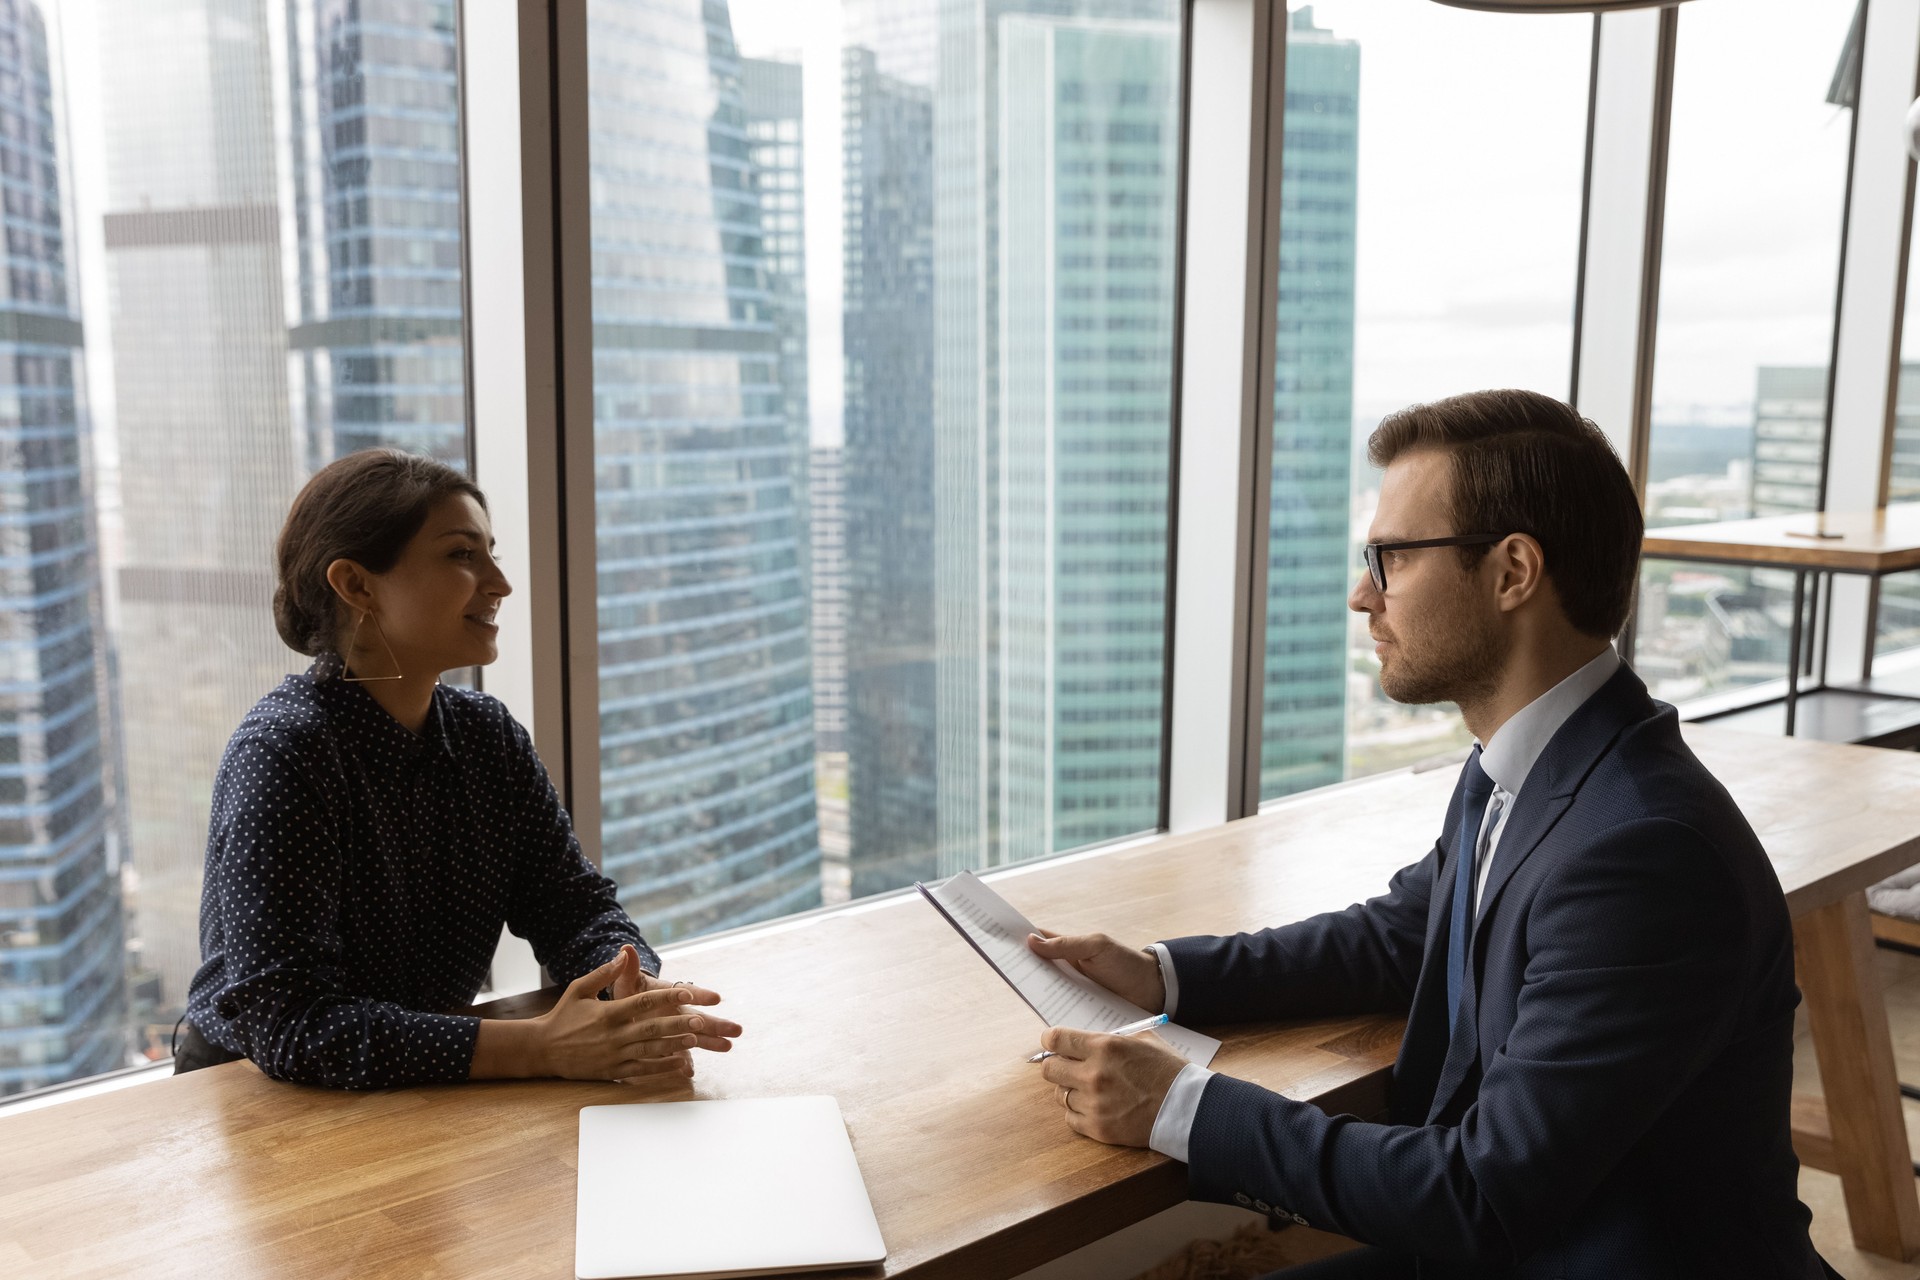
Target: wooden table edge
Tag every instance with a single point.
(1158, 1186)
(1803, 900)
(1768, 555)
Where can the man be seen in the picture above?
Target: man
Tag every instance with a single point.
(1595, 958)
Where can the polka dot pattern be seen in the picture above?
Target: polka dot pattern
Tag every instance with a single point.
(358, 874)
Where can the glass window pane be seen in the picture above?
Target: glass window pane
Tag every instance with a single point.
(1899, 606)
(882, 358)
(1429, 235)
(234, 254)
(1756, 179)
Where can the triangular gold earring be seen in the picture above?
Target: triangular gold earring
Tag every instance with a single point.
(353, 643)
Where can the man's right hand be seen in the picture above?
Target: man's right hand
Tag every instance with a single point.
(1128, 972)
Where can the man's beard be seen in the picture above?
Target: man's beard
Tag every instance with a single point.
(1460, 663)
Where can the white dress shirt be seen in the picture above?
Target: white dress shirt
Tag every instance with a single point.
(1508, 758)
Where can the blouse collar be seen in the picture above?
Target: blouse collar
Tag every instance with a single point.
(352, 704)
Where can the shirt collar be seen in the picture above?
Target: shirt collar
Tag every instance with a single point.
(1508, 758)
(357, 706)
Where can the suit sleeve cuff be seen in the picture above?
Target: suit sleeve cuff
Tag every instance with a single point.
(1173, 1127)
(1168, 977)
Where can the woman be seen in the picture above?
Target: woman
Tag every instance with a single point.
(372, 829)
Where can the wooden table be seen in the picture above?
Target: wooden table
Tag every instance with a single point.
(972, 1172)
(1812, 546)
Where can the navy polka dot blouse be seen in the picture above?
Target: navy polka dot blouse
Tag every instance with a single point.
(357, 877)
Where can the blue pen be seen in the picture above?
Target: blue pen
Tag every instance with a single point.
(1145, 1024)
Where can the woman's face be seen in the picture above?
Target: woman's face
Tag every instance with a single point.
(437, 603)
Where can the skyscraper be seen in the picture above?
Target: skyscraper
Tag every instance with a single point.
(375, 161)
(902, 35)
(63, 1005)
(706, 712)
(992, 662)
(1789, 431)
(827, 553)
(1086, 393)
(208, 457)
(1309, 567)
(770, 91)
(827, 534)
(887, 176)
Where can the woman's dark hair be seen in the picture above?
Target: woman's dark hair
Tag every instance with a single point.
(365, 507)
(1526, 463)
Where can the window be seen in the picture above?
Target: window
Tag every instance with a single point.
(233, 255)
(881, 440)
(1429, 235)
(1898, 608)
(1756, 180)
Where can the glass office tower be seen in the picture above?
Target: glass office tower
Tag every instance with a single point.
(1789, 435)
(887, 177)
(827, 550)
(63, 995)
(1309, 564)
(208, 458)
(375, 109)
(827, 558)
(986, 661)
(902, 35)
(1085, 391)
(706, 709)
(770, 90)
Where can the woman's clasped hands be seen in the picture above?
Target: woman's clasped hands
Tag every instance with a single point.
(649, 1027)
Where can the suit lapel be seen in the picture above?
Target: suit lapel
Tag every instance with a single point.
(1532, 818)
(1424, 1045)
(1545, 796)
(1568, 758)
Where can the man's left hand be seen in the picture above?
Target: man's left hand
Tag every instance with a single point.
(1111, 1086)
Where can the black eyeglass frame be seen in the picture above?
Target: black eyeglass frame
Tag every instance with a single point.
(1377, 568)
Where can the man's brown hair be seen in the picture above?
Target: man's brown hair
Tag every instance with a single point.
(364, 507)
(1526, 463)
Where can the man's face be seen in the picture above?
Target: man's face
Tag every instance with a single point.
(1436, 628)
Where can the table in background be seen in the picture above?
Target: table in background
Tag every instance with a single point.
(971, 1170)
(1870, 543)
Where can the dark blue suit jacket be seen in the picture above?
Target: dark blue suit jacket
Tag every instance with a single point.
(1618, 1103)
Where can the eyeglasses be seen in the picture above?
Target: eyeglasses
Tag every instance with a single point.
(1373, 552)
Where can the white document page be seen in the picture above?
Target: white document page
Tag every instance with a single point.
(1054, 989)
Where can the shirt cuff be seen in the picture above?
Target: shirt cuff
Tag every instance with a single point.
(1173, 1127)
(1167, 976)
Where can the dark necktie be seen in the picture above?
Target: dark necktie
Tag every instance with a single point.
(1476, 787)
